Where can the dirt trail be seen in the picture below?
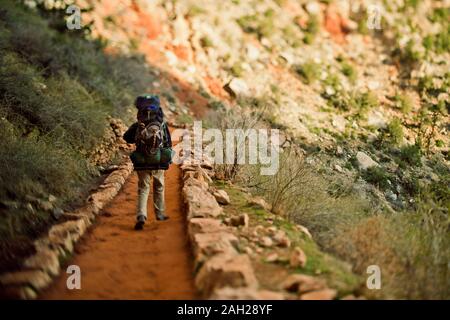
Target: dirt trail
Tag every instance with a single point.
(118, 262)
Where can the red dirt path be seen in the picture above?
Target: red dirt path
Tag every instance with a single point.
(118, 262)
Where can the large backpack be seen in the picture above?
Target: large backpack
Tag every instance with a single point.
(150, 134)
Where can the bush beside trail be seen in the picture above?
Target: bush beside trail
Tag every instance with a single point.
(57, 89)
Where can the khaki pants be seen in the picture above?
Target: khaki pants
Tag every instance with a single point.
(144, 190)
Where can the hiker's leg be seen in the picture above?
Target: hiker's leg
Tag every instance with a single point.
(143, 191)
(158, 193)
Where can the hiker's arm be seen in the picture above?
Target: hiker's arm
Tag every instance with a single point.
(131, 133)
(167, 133)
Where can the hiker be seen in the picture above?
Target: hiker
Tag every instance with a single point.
(152, 156)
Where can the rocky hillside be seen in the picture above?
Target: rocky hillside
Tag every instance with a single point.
(360, 92)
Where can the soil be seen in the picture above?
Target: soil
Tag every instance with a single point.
(117, 262)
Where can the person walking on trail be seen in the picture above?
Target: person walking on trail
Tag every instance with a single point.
(152, 156)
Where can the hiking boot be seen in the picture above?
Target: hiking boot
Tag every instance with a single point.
(161, 217)
(140, 223)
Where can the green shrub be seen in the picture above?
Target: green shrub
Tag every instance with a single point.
(56, 91)
(410, 4)
(410, 247)
(261, 25)
(299, 192)
(378, 177)
(237, 70)
(363, 102)
(339, 100)
(185, 119)
(206, 42)
(309, 71)
(311, 30)
(395, 131)
(410, 155)
(349, 71)
(362, 18)
(403, 102)
(410, 56)
(440, 143)
(195, 11)
(290, 34)
(216, 104)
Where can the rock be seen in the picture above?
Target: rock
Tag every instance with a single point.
(181, 30)
(329, 90)
(204, 225)
(236, 87)
(352, 297)
(45, 260)
(252, 52)
(373, 85)
(209, 244)
(100, 198)
(171, 58)
(228, 293)
(110, 169)
(272, 257)
(287, 56)
(313, 8)
(376, 119)
(203, 174)
(240, 220)
(222, 197)
(172, 107)
(12, 204)
(272, 230)
(260, 202)
(266, 42)
(297, 258)
(225, 270)
(35, 278)
(199, 202)
(29, 208)
(391, 196)
(249, 251)
(339, 123)
(324, 294)
(258, 229)
(188, 167)
(338, 168)
(52, 198)
(16, 293)
(304, 230)
(207, 164)
(65, 234)
(57, 213)
(302, 283)
(281, 239)
(266, 242)
(364, 161)
(350, 25)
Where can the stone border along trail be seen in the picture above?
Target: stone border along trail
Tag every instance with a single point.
(118, 262)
